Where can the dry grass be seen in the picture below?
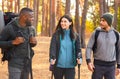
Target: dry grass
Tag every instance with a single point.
(41, 64)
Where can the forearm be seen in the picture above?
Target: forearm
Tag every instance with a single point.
(88, 54)
(5, 44)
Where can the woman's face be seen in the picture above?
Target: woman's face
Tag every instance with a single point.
(65, 23)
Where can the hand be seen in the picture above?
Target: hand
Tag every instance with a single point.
(33, 40)
(52, 61)
(117, 71)
(91, 67)
(79, 61)
(18, 40)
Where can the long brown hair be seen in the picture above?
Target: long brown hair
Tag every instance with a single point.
(60, 30)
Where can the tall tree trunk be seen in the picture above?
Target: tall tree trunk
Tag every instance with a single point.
(101, 7)
(11, 6)
(16, 6)
(116, 13)
(44, 18)
(8, 6)
(3, 5)
(59, 10)
(83, 26)
(77, 21)
(36, 13)
(52, 17)
(19, 5)
(67, 8)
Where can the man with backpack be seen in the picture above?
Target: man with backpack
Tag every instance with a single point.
(16, 42)
(105, 44)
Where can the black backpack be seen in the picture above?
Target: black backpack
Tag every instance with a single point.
(96, 36)
(6, 54)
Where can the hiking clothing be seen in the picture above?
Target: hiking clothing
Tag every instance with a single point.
(106, 50)
(107, 72)
(55, 48)
(16, 73)
(65, 49)
(69, 73)
(105, 55)
(65, 54)
(18, 53)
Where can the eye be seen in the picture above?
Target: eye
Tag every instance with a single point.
(102, 20)
(65, 21)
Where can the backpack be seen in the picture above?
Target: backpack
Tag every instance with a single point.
(96, 36)
(6, 55)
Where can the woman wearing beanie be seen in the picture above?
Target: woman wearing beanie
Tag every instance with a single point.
(105, 44)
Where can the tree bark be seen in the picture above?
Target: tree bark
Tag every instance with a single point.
(52, 17)
(77, 21)
(36, 13)
(44, 28)
(83, 26)
(67, 8)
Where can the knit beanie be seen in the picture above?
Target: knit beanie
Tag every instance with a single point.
(108, 17)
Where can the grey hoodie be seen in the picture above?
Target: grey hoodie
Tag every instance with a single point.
(106, 50)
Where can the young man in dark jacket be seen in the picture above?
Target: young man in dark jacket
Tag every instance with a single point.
(105, 54)
(17, 39)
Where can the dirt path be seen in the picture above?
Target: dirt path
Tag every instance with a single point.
(41, 64)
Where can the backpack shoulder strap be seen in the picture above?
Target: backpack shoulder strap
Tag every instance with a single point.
(117, 36)
(95, 43)
(117, 39)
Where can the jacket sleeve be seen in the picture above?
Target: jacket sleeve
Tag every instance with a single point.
(53, 47)
(4, 36)
(78, 47)
(118, 53)
(32, 33)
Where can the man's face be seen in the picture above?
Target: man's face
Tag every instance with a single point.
(103, 23)
(29, 19)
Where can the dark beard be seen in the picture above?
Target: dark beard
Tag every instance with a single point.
(28, 23)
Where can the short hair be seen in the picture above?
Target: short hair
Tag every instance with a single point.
(25, 10)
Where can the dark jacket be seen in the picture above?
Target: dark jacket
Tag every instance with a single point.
(55, 47)
(18, 52)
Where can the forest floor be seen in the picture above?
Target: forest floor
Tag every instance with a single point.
(41, 64)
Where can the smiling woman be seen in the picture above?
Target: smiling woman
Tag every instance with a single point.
(65, 49)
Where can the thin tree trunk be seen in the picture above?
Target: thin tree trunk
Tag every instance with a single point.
(58, 11)
(35, 12)
(83, 26)
(8, 7)
(101, 7)
(44, 18)
(67, 8)
(77, 21)
(52, 17)
(3, 5)
(18, 5)
(115, 15)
